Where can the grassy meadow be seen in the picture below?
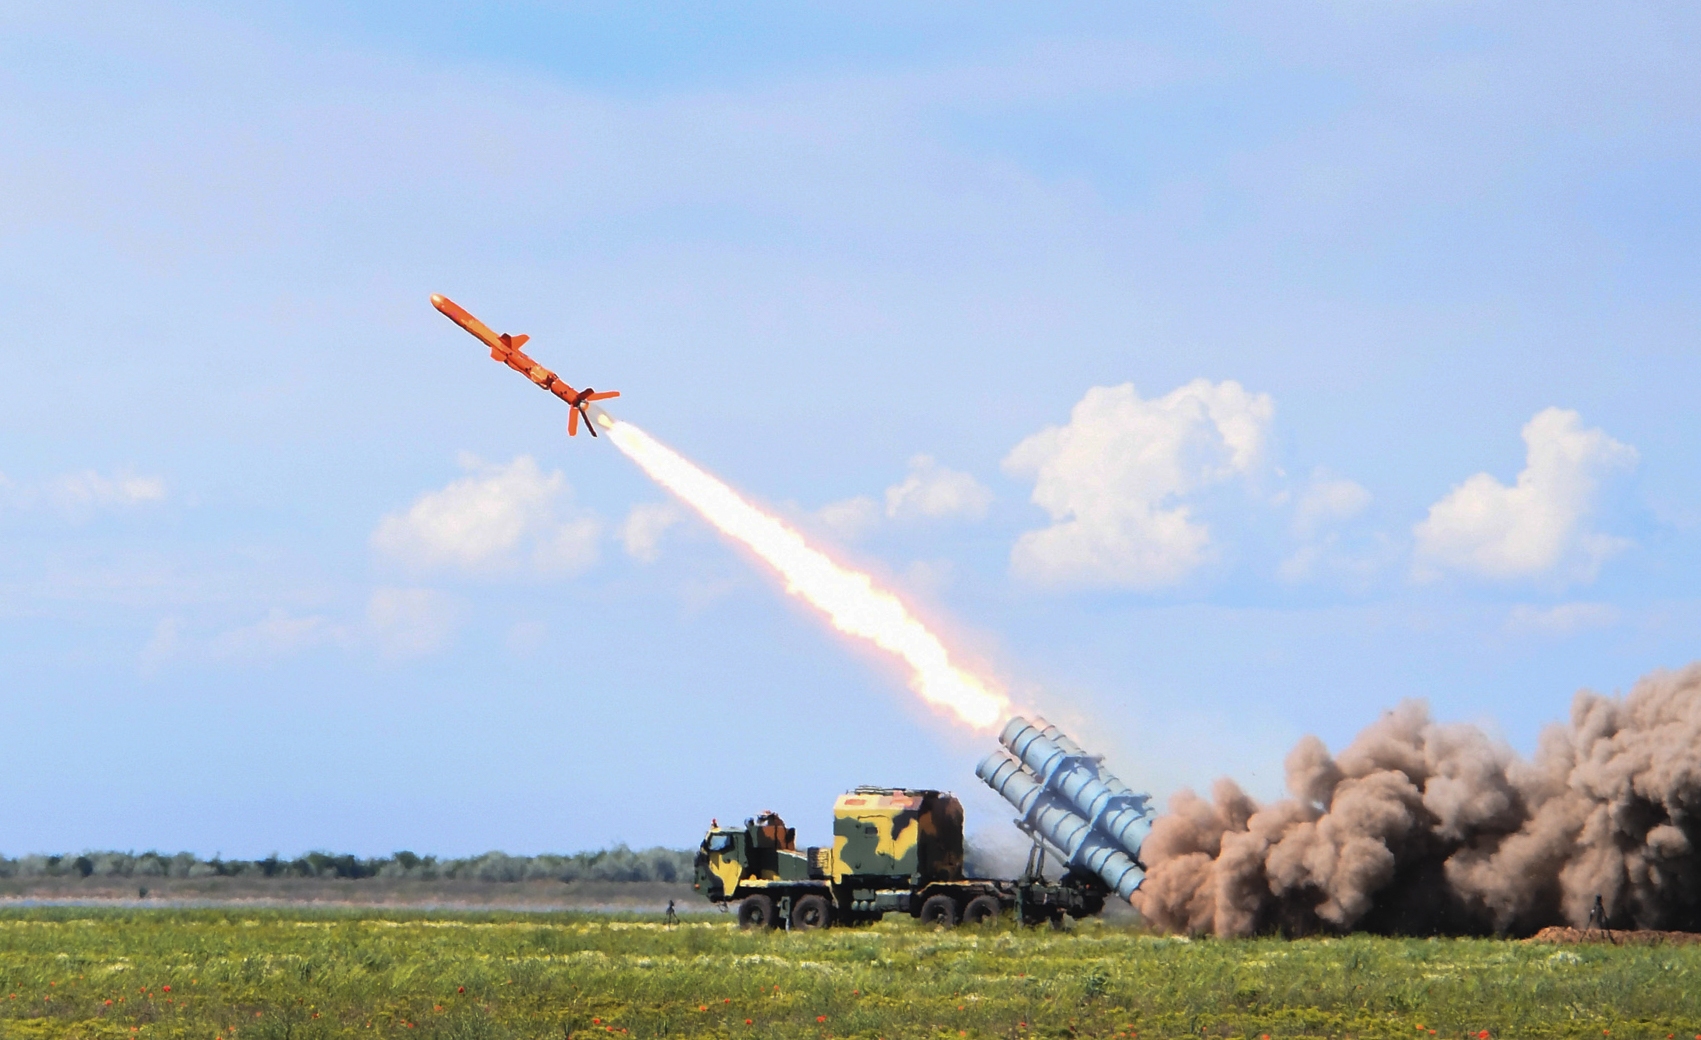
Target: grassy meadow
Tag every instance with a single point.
(236, 974)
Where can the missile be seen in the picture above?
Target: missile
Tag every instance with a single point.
(506, 349)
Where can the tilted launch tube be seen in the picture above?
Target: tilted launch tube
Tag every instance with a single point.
(1061, 739)
(1049, 815)
(1081, 781)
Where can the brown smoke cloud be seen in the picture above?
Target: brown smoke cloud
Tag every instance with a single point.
(1420, 827)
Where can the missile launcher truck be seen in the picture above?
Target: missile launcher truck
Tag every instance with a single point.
(898, 850)
(894, 850)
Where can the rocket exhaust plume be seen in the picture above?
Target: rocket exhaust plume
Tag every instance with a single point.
(1419, 827)
(850, 599)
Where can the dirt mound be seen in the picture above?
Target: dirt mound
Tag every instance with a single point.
(1634, 938)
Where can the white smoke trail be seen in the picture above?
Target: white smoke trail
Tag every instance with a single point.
(850, 599)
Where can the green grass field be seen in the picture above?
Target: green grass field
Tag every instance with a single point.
(302, 975)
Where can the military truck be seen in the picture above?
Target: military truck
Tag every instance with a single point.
(895, 850)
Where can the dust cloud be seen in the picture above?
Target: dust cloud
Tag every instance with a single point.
(1420, 827)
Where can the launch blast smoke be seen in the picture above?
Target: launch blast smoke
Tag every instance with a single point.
(1419, 827)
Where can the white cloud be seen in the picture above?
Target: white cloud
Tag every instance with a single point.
(1540, 525)
(277, 634)
(1355, 564)
(851, 518)
(1116, 478)
(645, 524)
(80, 495)
(1327, 500)
(411, 622)
(1561, 620)
(935, 492)
(89, 489)
(1321, 507)
(496, 519)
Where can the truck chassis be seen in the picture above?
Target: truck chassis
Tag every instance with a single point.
(821, 903)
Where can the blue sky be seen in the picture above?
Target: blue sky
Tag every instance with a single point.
(1366, 336)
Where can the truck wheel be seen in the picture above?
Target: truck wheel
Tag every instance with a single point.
(756, 912)
(940, 910)
(811, 912)
(981, 910)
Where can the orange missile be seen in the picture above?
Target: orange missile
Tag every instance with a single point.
(506, 349)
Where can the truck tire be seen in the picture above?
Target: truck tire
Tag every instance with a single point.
(756, 912)
(940, 910)
(981, 910)
(811, 912)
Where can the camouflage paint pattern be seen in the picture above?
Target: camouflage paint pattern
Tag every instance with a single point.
(756, 854)
(730, 869)
(896, 832)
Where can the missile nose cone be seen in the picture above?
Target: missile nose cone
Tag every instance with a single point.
(438, 301)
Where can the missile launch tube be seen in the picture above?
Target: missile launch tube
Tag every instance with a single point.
(1076, 778)
(1061, 739)
(1057, 823)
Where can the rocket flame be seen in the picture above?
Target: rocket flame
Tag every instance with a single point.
(850, 599)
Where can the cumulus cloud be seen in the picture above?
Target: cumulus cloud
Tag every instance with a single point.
(930, 490)
(1320, 510)
(411, 622)
(1562, 619)
(645, 524)
(278, 634)
(1327, 500)
(80, 495)
(496, 519)
(1539, 526)
(851, 518)
(1116, 482)
(90, 490)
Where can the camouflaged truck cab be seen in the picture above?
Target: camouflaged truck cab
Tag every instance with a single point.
(894, 849)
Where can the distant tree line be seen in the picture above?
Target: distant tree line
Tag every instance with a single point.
(616, 864)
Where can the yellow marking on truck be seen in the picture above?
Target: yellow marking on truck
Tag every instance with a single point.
(839, 868)
(899, 845)
(728, 870)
